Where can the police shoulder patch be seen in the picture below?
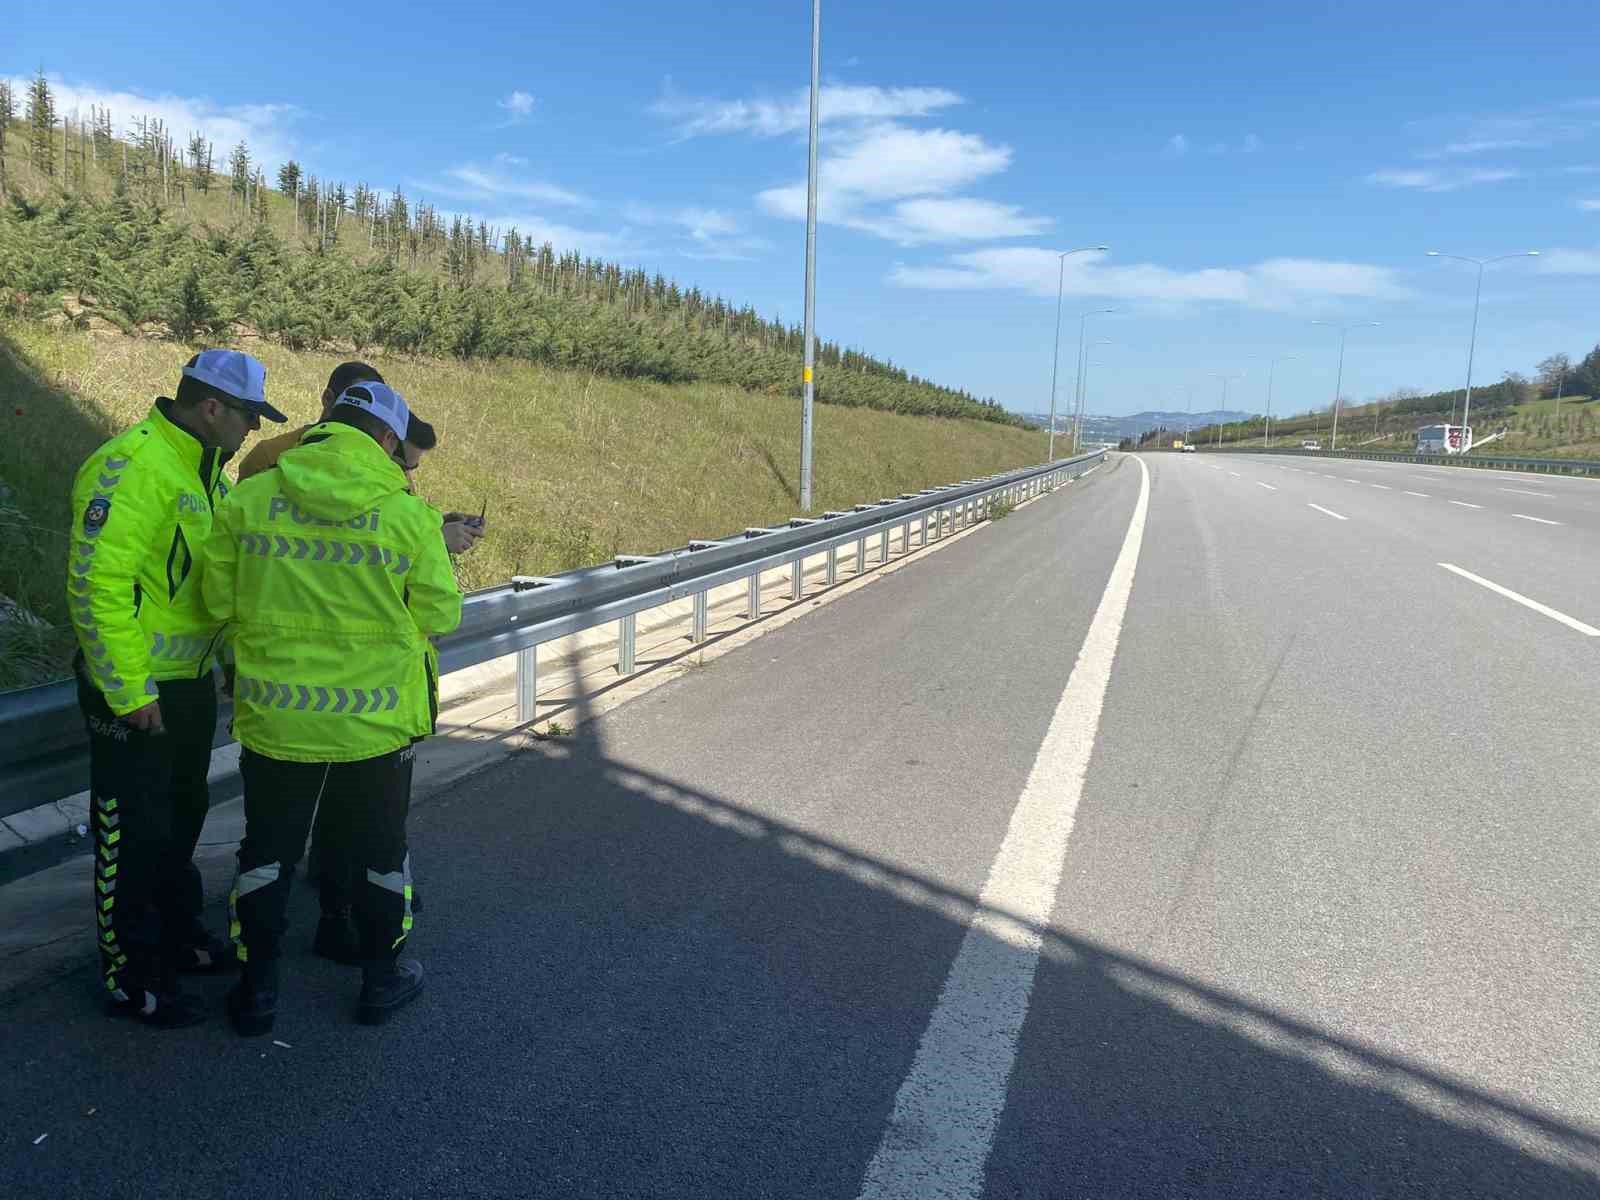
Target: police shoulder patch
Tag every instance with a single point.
(95, 514)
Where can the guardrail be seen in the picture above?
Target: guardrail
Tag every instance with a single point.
(44, 753)
(1565, 466)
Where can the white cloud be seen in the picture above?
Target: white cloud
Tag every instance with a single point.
(518, 104)
(776, 116)
(1441, 179)
(1251, 144)
(1271, 284)
(709, 233)
(616, 245)
(1589, 205)
(892, 161)
(510, 160)
(894, 182)
(1569, 262)
(469, 181)
(963, 219)
(267, 129)
(1177, 145)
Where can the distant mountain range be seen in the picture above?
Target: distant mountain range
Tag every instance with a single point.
(1114, 429)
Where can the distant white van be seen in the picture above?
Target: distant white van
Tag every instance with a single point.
(1311, 444)
(1444, 439)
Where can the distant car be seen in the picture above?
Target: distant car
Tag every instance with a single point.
(1311, 445)
(1188, 448)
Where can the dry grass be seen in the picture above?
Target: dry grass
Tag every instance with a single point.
(575, 468)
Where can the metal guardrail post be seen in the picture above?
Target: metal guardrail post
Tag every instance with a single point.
(528, 684)
(861, 555)
(697, 623)
(627, 631)
(923, 540)
(797, 578)
(884, 548)
(833, 565)
(752, 607)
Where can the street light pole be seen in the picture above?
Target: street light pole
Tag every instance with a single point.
(1225, 379)
(1338, 381)
(811, 263)
(1083, 322)
(1272, 365)
(1055, 354)
(1472, 345)
(1083, 393)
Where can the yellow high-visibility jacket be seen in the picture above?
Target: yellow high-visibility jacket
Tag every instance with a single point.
(331, 577)
(142, 507)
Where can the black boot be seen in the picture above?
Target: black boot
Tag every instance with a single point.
(387, 985)
(337, 938)
(158, 1003)
(203, 953)
(253, 1002)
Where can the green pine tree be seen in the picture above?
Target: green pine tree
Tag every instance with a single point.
(42, 124)
(8, 113)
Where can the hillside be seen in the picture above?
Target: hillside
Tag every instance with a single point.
(574, 466)
(1532, 425)
(110, 220)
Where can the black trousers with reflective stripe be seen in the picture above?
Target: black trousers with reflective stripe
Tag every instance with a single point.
(149, 799)
(367, 803)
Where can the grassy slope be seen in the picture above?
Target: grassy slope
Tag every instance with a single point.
(1533, 430)
(575, 467)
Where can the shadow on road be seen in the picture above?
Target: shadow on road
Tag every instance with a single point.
(637, 988)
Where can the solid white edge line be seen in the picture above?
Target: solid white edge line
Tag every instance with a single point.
(1464, 504)
(1543, 609)
(1541, 520)
(946, 1113)
(1329, 511)
(1520, 492)
(1268, 486)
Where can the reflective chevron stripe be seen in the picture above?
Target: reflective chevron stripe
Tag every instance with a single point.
(180, 646)
(324, 552)
(270, 693)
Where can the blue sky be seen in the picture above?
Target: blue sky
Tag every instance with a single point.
(1253, 167)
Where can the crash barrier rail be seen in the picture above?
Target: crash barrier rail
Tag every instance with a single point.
(44, 753)
(1565, 466)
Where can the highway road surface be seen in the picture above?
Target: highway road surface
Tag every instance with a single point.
(1221, 826)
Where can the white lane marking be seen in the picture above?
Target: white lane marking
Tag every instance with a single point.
(1424, 495)
(1464, 504)
(1235, 474)
(1520, 492)
(1383, 487)
(948, 1109)
(1353, 481)
(1329, 511)
(1090, 471)
(1570, 622)
(1268, 486)
(1541, 520)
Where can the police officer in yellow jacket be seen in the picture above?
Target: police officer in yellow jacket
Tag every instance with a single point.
(143, 503)
(332, 578)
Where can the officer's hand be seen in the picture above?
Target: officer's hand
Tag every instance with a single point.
(146, 719)
(462, 535)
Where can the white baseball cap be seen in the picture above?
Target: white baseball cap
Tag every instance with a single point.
(236, 374)
(382, 401)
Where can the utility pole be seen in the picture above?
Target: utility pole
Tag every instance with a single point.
(811, 264)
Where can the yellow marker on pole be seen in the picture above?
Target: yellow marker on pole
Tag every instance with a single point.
(806, 375)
